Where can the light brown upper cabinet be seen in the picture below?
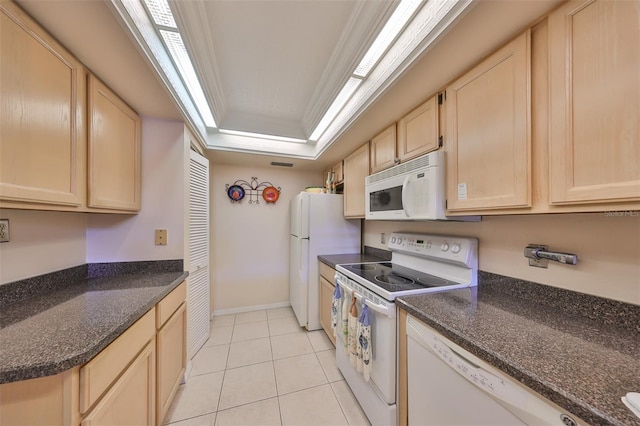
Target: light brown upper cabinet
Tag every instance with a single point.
(114, 150)
(489, 132)
(383, 149)
(356, 169)
(43, 146)
(418, 131)
(594, 79)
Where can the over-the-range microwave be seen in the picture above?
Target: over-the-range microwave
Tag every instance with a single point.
(414, 190)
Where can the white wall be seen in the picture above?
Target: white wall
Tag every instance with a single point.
(41, 242)
(249, 242)
(608, 248)
(119, 238)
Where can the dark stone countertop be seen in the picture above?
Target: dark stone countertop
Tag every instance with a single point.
(579, 351)
(63, 326)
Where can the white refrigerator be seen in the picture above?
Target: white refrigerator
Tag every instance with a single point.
(318, 227)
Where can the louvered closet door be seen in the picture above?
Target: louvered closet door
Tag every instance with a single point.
(198, 289)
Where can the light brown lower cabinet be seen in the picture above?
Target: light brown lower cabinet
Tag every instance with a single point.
(326, 277)
(130, 382)
(131, 400)
(172, 359)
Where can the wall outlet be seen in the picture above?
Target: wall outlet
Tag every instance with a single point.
(4, 230)
(161, 237)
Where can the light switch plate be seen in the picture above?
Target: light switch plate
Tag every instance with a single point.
(161, 237)
(4, 230)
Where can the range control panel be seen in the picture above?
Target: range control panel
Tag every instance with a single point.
(439, 247)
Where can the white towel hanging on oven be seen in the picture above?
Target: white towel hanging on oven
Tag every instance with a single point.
(336, 309)
(359, 346)
(353, 328)
(364, 341)
(346, 297)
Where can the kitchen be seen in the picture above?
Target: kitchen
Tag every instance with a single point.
(241, 234)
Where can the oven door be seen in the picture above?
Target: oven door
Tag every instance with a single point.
(378, 396)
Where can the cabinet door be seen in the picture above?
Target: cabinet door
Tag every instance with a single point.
(383, 149)
(172, 359)
(356, 169)
(418, 131)
(489, 132)
(114, 150)
(43, 149)
(326, 298)
(131, 400)
(595, 102)
(337, 170)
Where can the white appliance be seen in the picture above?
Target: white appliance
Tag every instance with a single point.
(414, 190)
(490, 397)
(419, 264)
(318, 227)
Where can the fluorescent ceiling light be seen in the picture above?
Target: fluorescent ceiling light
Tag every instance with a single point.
(161, 13)
(179, 54)
(261, 136)
(339, 102)
(166, 26)
(392, 28)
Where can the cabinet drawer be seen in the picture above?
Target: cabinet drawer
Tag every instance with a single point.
(171, 360)
(131, 400)
(167, 306)
(98, 374)
(327, 272)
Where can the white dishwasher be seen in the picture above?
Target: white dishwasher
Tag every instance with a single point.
(449, 386)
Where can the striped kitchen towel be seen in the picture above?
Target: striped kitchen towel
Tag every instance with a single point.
(336, 309)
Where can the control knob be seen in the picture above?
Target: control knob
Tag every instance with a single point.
(455, 248)
(444, 246)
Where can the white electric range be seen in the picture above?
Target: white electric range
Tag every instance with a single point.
(419, 264)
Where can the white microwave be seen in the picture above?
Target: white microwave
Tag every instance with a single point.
(414, 190)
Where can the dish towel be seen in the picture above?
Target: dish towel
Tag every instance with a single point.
(359, 344)
(353, 327)
(345, 321)
(364, 343)
(336, 307)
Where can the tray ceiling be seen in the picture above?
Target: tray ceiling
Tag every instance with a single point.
(275, 67)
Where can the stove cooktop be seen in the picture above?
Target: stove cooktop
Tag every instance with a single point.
(394, 278)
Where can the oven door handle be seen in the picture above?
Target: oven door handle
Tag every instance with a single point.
(381, 309)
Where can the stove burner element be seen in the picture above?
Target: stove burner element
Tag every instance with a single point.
(393, 279)
(362, 267)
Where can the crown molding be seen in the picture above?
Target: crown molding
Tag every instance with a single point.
(365, 22)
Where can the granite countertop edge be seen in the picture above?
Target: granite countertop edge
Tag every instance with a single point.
(57, 360)
(553, 391)
(525, 377)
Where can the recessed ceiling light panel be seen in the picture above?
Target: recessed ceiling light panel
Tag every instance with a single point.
(392, 28)
(161, 13)
(261, 136)
(179, 54)
(339, 102)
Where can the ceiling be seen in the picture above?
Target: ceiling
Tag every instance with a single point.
(274, 67)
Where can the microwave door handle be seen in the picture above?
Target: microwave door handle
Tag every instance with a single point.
(405, 195)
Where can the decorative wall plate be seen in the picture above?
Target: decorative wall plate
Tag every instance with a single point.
(270, 194)
(235, 192)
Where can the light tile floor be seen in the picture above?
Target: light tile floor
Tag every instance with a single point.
(261, 368)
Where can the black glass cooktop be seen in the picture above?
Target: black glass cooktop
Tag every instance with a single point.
(394, 278)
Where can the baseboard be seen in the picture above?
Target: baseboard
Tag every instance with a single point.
(232, 311)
